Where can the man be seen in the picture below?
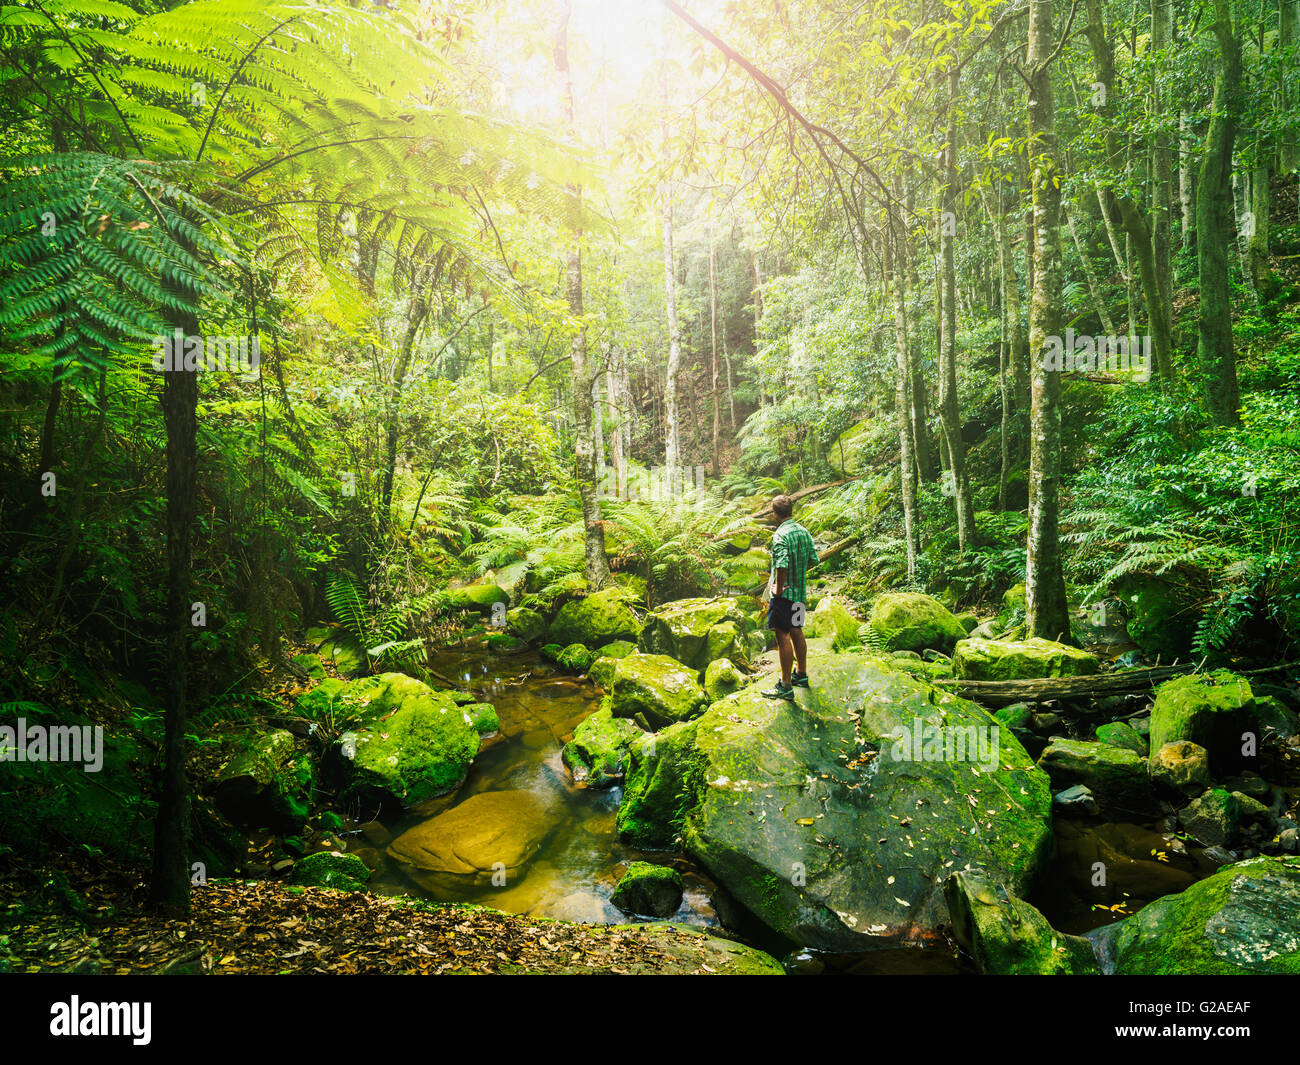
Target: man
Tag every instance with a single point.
(793, 551)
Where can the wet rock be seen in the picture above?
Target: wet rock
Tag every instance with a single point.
(1240, 920)
(331, 869)
(722, 678)
(575, 658)
(1213, 710)
(908, 621)
(648, 890)
(597, 754)
(1122, 734)
(595, 619)
(1181, 768)
(819, 818)
(698, 631)
(1075, 802)
(1116, 777)
(655, 690)
(267, 783)
(1006, 936)
(492, 832)
(1226, 818)
(376, 834)
(483, 716)
(601, 672)
(976, 659)
(528, 625)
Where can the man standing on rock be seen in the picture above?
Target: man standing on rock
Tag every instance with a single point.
(793, 551)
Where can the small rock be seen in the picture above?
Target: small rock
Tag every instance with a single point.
(1075, 800)
(1182, 767)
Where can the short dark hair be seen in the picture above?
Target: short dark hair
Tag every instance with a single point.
(782, 506)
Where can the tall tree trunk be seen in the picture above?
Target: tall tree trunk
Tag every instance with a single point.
(1162, 168)
(672, 439)
(950, 413)
(1089, 274)
(713, 329)
(169, 888)
(1046, 610)
(1257, 244)
(596, 566)
(416, 313)
(896, 272)
(615, 400)
(1186, 181)
(1214, 227)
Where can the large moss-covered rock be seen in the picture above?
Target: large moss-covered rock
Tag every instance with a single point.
(528, 625)
(1116, 776)
(331, 869)
(697, 631)
(597, 754)
(267, 783)
(1243, 919)
(1122, 734)
(410, 742)
(476, 597)
(595, 619)
(1008, 937)
(655, 690)
(832, 618)
(1222, 818)
(722, 678)
(1180, 768)
(602, 672)
(909, 621)
(616, 649)
(648, 890)
(663, 774)
(831, 818)
(575, 658)
(977, 659)
(1213, 710)
(494, 832)
(1160, 620)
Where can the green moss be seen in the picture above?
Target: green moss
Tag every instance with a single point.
(655, 689)
(907, 621)
(595, 619)
(597, 754)
(331, 869)
(979, 659)
(1209, 709)
(575, 658)
(483, 716)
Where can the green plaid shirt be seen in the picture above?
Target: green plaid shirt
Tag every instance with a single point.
(794, 551)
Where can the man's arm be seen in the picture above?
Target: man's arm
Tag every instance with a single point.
(778, 585)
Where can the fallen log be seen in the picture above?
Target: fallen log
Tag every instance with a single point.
(766, 508)
(1043, 689)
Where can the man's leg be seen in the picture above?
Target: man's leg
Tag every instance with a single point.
(785, 653)
(800, 650)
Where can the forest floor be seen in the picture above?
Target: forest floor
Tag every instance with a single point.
(87, 919)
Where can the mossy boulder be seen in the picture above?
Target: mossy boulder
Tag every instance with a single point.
(483, 716)
(663, 772)
(1222, 818)
(318, 702)
(551, 651)
(909, 621)
(601, 672)
(1006, 936)
(331, 869)
(597, 755)
(721, 679)
(1160, 620)
(1180, 768)
(479, 598)
(595, 619)
(1122, 734)
(655, 690)
(575, 658)
(1116, 776)
(1241, 920)
(968, 621)
(832, 618)
(528, 625)
(616, 649)
(310, 665)
(697, 631)
(1213, 710)
(267, 783)
(410, 742)
(977, 659)
(340, 648)
(648, 890)
(491, 833)
(826, 821)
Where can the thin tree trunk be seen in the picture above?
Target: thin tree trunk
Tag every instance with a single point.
(896, 271)
(1046, 610)
(1089, 274)
(713, 330)
(1214, 226)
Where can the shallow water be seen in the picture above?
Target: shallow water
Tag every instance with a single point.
(580, 857)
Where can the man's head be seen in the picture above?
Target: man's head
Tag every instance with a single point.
(782, 507)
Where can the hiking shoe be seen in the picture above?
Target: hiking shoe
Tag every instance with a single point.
(781, 691)
(799, 680)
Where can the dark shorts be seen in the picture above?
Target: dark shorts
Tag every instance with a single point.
(781, 614)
